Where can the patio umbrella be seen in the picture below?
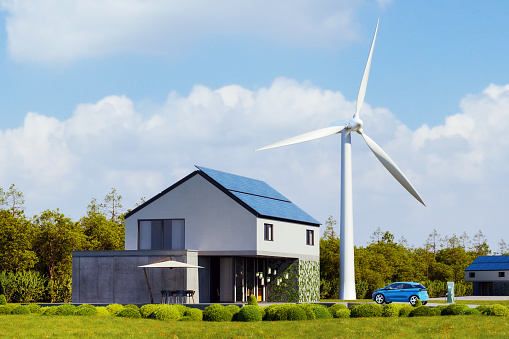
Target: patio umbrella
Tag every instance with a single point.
(164, 263)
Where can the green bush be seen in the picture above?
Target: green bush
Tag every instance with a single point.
(418, 303)
(366, 310)
(180, 308)
(342, 313)
(405, 309)
(334, 308)
(472, 311)
(391, 310)
(102, 310)
(65, 310)
(234, 310)
(498, 310)
(217, 312)
(483, 309)
(421, 311)
(3, 301)
(114, 308)
(310, 314)
(4, 309)
(23, 286)
(129, 312)
(276, 312)
(86, 309)
(20, 310)
(250, 313)
(34, 308)
(262, 311)
(192, 314)
(251, 300)
(134, 307)
(166, 313)
(294, 312)
(147, 310)
(51, 310)
(455, 309)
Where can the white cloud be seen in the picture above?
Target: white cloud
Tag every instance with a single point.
(460, 168)
(55, 31)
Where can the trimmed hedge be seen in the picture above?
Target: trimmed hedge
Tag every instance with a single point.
(342, 313)
(65, 310)
(455, 309)
(336, 307)
(166, 313)
(20, 310)
(391, 310)
(34, 308)
(310, 314)
(217, 312)
(250, 313)
(129, 312)
(114, 308)
(192, 314)
(498, 311)
(3, 301)
(366, 310)
(5, 309)
(147, 310)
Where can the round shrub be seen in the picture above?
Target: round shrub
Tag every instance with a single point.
(4, 309)
(20, 310)
(366, 310)
(455, 309)
(498, 310)
(51, 310)
(310, 314)
(321, 311)
(180, 308)
(234, 310)
(3, 301)
(342, 313)
(134, 307)
(114, 308)
(34, 308)
(276, 312)
(421, 311)
(483, 309)
(129, 312)
(147, 310)
(217, 312)
(103, 311)
(405, 309)
(334, 308)
(262, 311)
(249, 313)
(65, 310)
(418, 303)
(435, 311)
(192, 314)
(391, 310)
(294, 312)
(166, 313)
(472, 311)
(86, 309)
(251, 300)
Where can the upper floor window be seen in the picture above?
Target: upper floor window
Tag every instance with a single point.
(268, 233)
(501, 274)
(310, 237)
(471, 274)
(167, 234)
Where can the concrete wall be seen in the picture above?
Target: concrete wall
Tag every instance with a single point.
(114, 276)
(213, 221)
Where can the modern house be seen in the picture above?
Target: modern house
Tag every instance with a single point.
(489, 275)
(249, 239)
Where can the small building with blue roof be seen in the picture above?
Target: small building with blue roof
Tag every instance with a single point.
(489, 275)
(249, 238)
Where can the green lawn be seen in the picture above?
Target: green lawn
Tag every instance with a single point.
(35, 326)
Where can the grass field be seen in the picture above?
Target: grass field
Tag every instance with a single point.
(35, 326)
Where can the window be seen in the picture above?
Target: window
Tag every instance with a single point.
(471, 274)
(310, 237)
(501, 274)
(268, 233)
(168, 234)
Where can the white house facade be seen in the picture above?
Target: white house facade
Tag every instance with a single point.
(249, 239)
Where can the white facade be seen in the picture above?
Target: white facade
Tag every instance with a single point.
(486, 276)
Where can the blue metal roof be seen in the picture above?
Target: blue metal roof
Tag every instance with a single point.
(490, 263)
(259, 196)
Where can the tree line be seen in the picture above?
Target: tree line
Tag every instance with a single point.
(439, 260)
(36, 252)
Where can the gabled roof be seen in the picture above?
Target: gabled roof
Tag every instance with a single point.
(490, 263)
(255, 195)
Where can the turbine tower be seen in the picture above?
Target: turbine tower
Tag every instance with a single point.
(346, 127)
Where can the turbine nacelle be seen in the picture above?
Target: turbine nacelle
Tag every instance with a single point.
(353, 125)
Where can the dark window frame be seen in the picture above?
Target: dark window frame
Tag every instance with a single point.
(501, 274)
(162, 237)
(268, 232)
(471, 274)
(310, 237)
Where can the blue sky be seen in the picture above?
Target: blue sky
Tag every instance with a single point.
(132, 94)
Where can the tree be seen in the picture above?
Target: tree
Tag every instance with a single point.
(432, 240)
(102, 234)
(112, 204)
(479, 244)
(13, 199)
(329, 260)
(503, 247)
(16, 240)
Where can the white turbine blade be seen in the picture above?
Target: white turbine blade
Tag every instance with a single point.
(392, 167)
(317, 134)
(364, 82)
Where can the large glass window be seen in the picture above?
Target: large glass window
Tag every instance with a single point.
(167, 234)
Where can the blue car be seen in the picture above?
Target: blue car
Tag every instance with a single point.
(403, 292)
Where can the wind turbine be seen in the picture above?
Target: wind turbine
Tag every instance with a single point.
(346, 127)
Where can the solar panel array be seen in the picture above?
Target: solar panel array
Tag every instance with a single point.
(258, 195)
(490, 263)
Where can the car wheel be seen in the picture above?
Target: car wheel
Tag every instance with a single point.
(413, 299)
(424, 302)
(379, 298)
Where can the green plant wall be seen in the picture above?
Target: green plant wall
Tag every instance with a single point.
(309, 280)
(288, 289)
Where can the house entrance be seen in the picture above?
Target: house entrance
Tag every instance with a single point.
(250, 278)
